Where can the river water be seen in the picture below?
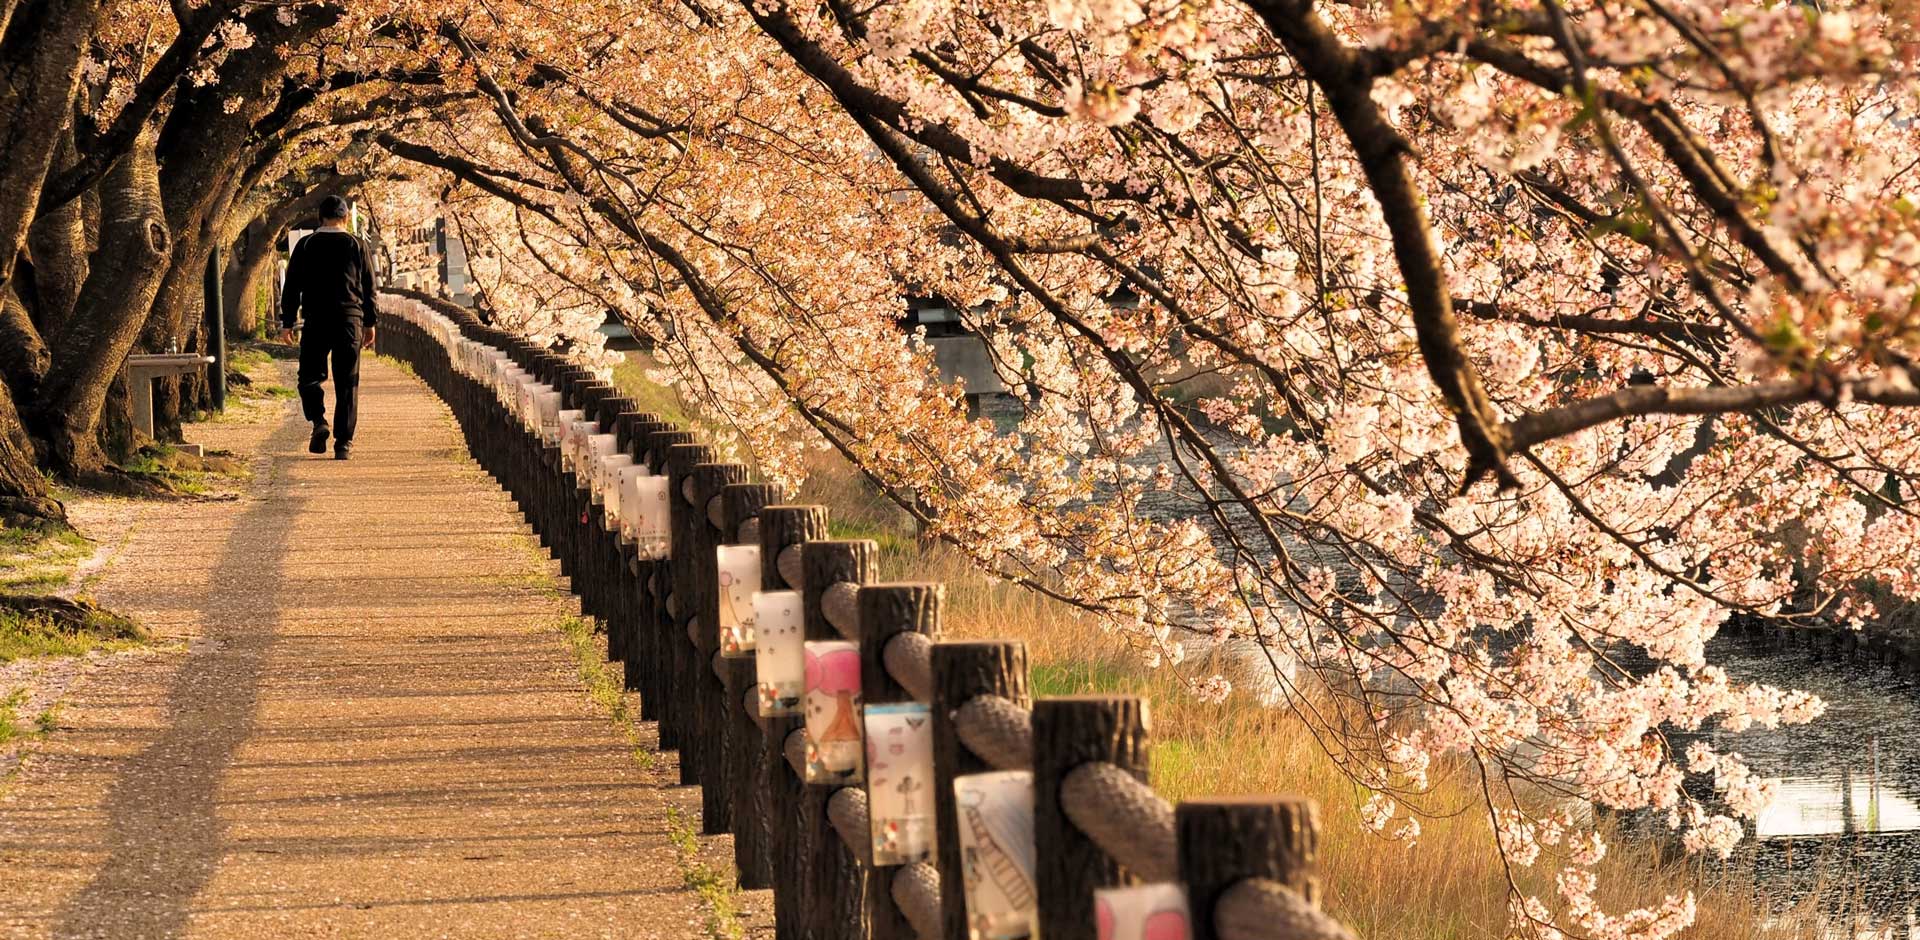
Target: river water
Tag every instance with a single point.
(1844, 832)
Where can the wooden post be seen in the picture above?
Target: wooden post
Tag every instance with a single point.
(646, 676)
(1226, 840)
(962, 670)
(746, 751)
(586, 395)
(662, 627)
(1067, 732)
(887, 611)
(716, 788)
(604, 402)
(690, 530)
(623, 631)
(835, 888)
(790, 845)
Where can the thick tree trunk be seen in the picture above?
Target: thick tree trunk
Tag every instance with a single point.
(39, 69)
(116, 436)
(246, 265)
(57, 242)
(23, 356)
(23, 491)
(119, 291)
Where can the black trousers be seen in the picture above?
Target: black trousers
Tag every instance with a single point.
(337, 341)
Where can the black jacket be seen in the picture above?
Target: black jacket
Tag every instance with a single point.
(331, 276)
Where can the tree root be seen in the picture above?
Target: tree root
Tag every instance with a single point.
(44, 513)
(114, 481)
(72, 615)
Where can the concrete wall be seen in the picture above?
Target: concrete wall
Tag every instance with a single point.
(965, 358)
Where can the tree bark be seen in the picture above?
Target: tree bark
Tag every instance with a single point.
(23, 356)
(23, 491)
(246, 262)
(119, 290)
(57, 243)
(39, 70)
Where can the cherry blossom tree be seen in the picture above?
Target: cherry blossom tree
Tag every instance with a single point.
(1479, 346)
(1472, 363)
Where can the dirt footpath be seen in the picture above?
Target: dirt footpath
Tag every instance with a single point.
(365, 723)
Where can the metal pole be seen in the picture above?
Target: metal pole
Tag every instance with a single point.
(216, 332)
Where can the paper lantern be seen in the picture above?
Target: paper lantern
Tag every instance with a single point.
(594, 449)
(1155, 911)
(628, 484)
(738, 568)
(569, 422)
(833, 711)
(609, 486)
(779, 651)
(900, 782)
(549, 404)
(995, 816)
(652, 530)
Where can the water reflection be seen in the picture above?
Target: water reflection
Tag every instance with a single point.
(1844, 832)
(1848, 805)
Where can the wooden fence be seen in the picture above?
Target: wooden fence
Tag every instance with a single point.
(1246, 864)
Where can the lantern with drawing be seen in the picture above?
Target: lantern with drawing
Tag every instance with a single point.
(833, 711)
(779, 652)
(739, 574)
(995, 814)
(900, 781)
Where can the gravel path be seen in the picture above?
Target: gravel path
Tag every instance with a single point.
(365, 723)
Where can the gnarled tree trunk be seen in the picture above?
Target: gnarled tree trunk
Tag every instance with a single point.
(39, 69)
(113, 304)
(246, 264)
(23, 491)
(23, 356)
(58, 244)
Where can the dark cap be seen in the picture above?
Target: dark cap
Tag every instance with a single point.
(333, 207)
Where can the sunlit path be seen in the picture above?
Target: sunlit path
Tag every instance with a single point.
(376, 732)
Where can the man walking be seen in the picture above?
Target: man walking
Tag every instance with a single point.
(331, 275)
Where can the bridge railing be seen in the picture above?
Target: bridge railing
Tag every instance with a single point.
(1052, 816)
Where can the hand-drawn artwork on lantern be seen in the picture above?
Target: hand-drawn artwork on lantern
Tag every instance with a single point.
(545, 416)
(900, 782)
(995, 816)
(652, 527)
(739, 572)
(1142, 912)
(578, 452)
(608, 486)
(629, 486)
(593, 447)
(573, 426)
(779, 652)
(564, 423)
(833, 711)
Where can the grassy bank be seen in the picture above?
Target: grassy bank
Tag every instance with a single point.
(34, 565)
(1451, 884)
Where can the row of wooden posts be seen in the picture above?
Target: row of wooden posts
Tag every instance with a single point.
(1247, 864)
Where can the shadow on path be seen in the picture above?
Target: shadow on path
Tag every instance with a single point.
(164, 836)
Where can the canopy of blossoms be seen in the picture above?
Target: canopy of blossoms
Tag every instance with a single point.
(1481, 349)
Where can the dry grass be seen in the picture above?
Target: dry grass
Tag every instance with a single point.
(39, 560)
(1451, 884)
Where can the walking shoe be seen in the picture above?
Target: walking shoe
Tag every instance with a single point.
(318, 443)
(342, 450)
